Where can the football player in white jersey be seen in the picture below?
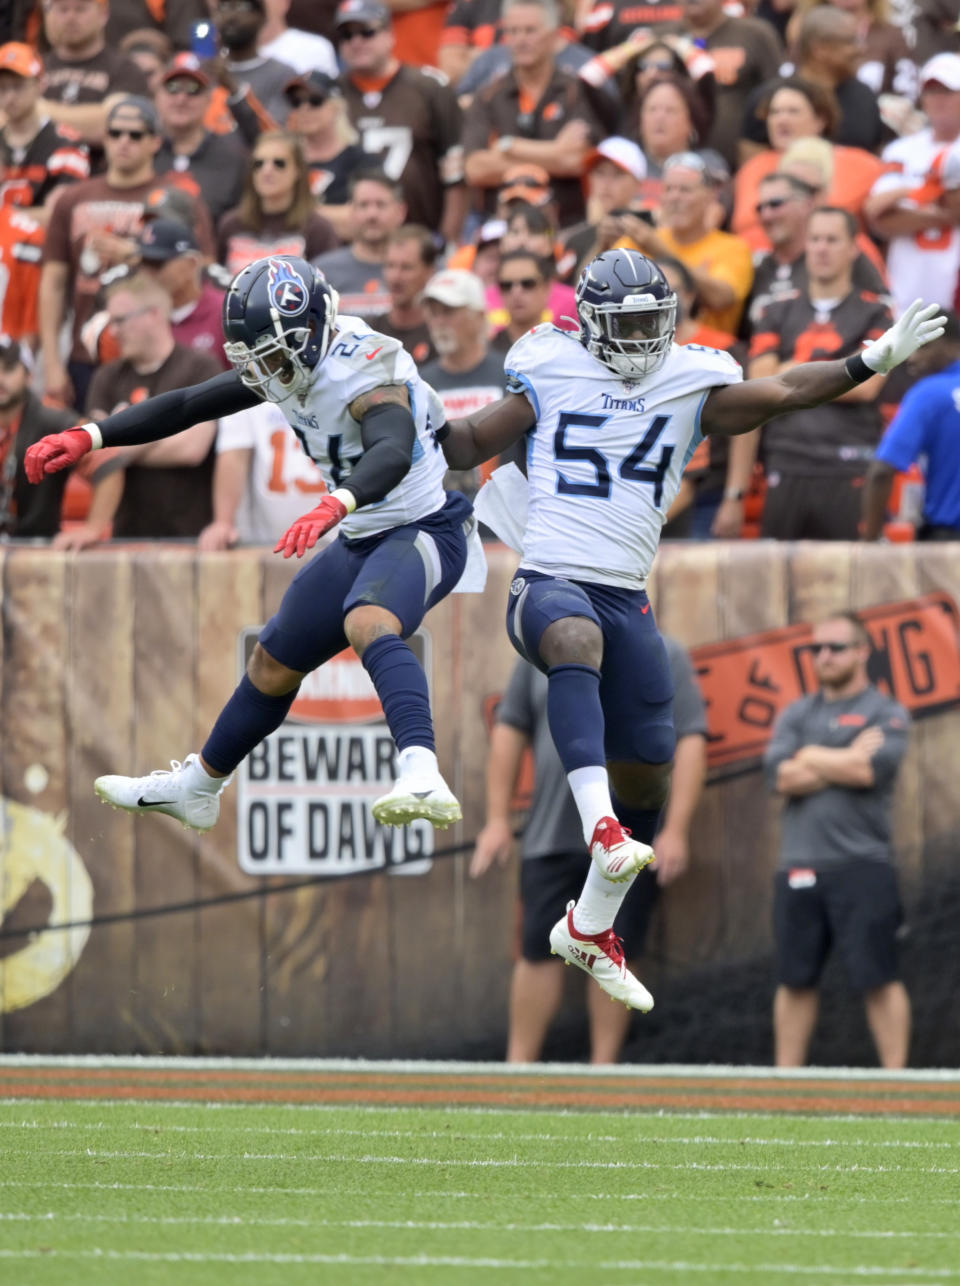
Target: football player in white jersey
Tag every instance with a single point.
(611, 417)
(365, 417)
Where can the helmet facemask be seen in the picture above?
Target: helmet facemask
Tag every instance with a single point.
(631, 336)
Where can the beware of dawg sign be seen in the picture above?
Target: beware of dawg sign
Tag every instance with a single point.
(305, 793)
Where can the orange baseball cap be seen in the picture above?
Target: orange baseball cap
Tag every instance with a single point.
(20, 59)
(525, 182)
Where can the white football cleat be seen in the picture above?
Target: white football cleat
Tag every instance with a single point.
(601, 956)
(167, 791)
(419, 795)
(618, 857)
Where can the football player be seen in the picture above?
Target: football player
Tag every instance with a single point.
(364, 416)
(612, 416)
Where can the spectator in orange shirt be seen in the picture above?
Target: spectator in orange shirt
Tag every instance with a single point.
(799, 109)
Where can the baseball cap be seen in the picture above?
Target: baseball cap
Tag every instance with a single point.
(491, 231)
(170, 203)
(20, 59)
(362, 11)
(188, 65)
(710, 164)
(624, 154)
(315, 82)
(944, 69)
(11, 352)
(457, 288)
(530, 183)
(164, 239)
(134, 103)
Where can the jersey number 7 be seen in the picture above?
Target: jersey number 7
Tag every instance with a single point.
(632, 469)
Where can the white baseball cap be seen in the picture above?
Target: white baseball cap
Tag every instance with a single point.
(943, 68)
(623, 153)
(457, 288)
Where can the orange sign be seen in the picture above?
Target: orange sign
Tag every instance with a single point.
(747, 681)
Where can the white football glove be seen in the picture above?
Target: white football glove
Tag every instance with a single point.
(920, 324)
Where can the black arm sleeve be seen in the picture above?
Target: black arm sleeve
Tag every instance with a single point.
(169, 413)
(388, 434)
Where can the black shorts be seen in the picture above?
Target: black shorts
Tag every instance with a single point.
(547, 884)
(812, 508)
(854, 908)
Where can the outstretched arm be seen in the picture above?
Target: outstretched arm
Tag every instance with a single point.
(468, 442)
(158, 417)
(738, 408)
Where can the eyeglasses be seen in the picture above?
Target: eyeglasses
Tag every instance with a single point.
(771, 203)
(137, 312)
(657, 64)
(278, 162)
(363, 33)
(519, 283)
(187, 86)
(136, 134)
(833, 647)
(309, 100)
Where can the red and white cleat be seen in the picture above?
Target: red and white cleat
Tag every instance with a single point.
(601, 956)
(618, 857)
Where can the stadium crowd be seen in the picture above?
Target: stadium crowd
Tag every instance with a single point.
(794, 165)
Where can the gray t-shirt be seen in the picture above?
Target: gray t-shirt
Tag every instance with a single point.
(840, 823)
(362, 290)
(553, 825)
(267, 77)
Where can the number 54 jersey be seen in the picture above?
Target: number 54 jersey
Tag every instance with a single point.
(605, 457)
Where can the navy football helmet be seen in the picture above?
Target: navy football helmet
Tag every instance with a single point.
(278, 320)
(627, 312)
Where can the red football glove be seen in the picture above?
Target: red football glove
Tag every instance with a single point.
(55, 452)
(306, 531)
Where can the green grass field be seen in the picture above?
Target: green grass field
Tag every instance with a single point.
(119, 1190)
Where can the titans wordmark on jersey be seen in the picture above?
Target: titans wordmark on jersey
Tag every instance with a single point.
(606, 455)
(359, 360)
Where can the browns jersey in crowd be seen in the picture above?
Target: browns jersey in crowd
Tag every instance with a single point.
(21, 249)
(53, 156)
(610, 22)
(474, 24)
(411, 123)
(839, 437)
(168, 501)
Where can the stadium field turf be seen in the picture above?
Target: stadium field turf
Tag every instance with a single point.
(202, 1172)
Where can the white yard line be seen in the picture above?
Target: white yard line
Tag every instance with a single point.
(617, 1139)
(461, 1261)
(521, 1071)
(468, 1225)
(513, 1163)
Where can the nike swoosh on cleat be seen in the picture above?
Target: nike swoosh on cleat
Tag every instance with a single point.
(420, 794)
(153, 803)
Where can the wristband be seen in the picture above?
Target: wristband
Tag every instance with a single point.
(96, 437)
(440, 435)
(857, 369)
(734, 493)
(346, 498)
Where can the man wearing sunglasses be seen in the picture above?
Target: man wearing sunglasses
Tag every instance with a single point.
(834, 757)
(216, 163)
(94, 227)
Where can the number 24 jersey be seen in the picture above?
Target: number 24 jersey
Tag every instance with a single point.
(606, 455)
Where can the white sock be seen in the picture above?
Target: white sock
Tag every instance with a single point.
(201, 780)
(591, 793)
(599, 902)
(417, 760)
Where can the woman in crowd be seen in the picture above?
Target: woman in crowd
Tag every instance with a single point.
(276, 214)
(795, 109)
(318, 117)
(671, 118)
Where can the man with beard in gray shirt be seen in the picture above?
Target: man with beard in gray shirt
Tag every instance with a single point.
(834, 756)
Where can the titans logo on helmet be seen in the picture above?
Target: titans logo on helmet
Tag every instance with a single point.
(287, 291)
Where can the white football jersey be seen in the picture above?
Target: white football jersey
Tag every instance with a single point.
(606, 455)
(360, 359)
(925, 265)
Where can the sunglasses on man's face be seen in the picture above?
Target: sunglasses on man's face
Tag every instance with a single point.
(518, 283)
(278, 162)
(117, 132)
(771, 203)
(187, 86)
(363, 33)
(309, 100)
